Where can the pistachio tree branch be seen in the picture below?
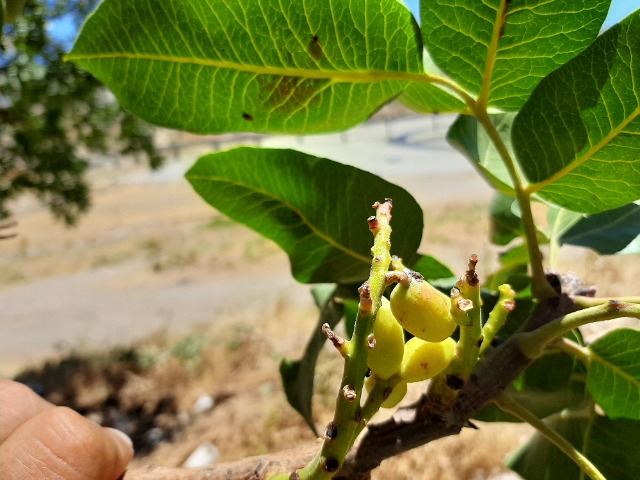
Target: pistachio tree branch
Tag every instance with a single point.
(408, 428)
(509, 405)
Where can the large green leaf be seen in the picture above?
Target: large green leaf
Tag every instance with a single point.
(500, 49)
(298, 375)
(468, 136)
(607, 232)
(314, 208)
(614, 373)
(578, 137)
(251, 65)
(612, 446)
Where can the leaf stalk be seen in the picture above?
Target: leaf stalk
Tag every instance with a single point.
(509, 405)
(533, 343)
(541, 287)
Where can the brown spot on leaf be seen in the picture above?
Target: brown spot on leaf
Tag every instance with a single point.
(247, 117)
(314, 48)
(289, 94)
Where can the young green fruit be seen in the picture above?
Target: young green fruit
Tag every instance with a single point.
(422, 310)
(395, 396)
(423, 360)
(386, 355)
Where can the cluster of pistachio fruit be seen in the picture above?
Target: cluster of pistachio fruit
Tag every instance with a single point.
(423, 311)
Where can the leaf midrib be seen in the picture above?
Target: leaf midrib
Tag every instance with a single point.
(304, 219)
(337, 76)
(492, 54)
(588, 155)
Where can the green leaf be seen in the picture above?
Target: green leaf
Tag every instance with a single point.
(560, 221)
(576, 138)
(297, 375)
(504, 224)
(544, 388)
(607, 232)
(430, 268)
(611, 445)
(212, 66)
(614, 373)
(429, 97)
(500, 49)
(313, 208)
(469, 137)
(512, 270)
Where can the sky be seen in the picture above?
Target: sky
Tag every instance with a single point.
(63, 28)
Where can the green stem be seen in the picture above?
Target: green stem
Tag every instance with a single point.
(509, 405)
(498, 316)
(586, 302)
(587, 434)
(374, 400)
(541, 287)
(347, 421)
(467, 349)
(532, 343)
(575, 350)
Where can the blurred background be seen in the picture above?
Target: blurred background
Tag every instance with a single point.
(125, 296)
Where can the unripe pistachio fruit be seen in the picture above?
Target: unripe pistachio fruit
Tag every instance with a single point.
(422, 310)
(386, 355)
(423, 360)
(396, 395)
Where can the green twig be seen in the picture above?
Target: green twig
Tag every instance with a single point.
(375, 399)
(348, 417)
(467, 349)
(532, 343)
(586, 302)
(509, 405)
(498, 316)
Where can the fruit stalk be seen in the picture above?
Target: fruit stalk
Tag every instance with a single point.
(348, 418)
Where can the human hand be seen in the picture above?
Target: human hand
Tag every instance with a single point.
(40, 440)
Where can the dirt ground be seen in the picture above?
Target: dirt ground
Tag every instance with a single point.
(208, 308)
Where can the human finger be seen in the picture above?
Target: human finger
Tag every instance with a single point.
(18, 403)
(59, 443)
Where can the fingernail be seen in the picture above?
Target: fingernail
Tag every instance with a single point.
(121, 437)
